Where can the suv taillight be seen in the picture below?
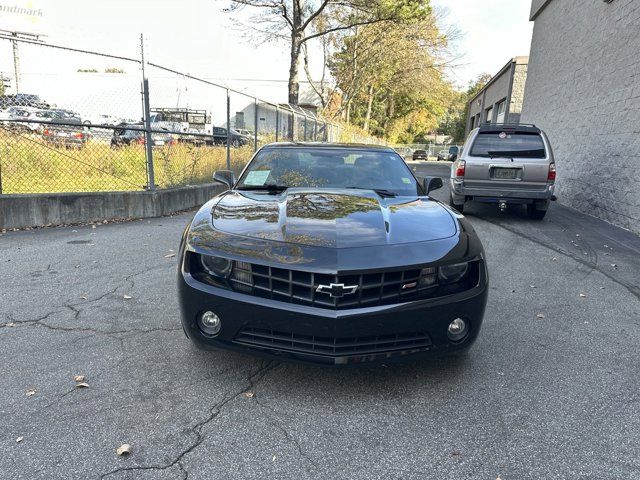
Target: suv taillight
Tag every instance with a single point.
(552, 172)
(460, 169)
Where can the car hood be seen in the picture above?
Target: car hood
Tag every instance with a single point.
(332, 218)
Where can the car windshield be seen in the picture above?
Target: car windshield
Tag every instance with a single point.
(495, 144)
(384, 171)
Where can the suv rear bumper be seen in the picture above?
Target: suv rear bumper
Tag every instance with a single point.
(495, 194)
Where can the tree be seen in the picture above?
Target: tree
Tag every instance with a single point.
(391, 77)
(455, 123)
(293, 20)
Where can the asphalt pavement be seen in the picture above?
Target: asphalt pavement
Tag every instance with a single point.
(550, 389)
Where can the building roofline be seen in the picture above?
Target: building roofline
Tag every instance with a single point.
(520, 60)
(537, 8)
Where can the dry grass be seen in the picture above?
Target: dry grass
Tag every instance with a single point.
(30, 165)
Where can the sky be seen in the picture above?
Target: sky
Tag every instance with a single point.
(198, 37)
(490, 33)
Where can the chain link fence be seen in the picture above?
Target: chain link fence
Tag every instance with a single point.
(77, 121)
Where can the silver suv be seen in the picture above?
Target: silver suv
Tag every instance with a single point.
(505, 164)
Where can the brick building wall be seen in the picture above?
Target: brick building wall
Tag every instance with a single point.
(583, 89)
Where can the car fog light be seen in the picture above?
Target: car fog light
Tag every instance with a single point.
(210, 323)
(457, 330)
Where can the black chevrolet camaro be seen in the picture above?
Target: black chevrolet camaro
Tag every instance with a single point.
(332, 254)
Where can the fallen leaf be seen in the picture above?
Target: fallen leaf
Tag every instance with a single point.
(273, 459)
(170, 255)
(78, 378)
(83, 297)
(77, 266)
(582, 295)
(248, 394)
(11, 324)
(606, 246)
(19, 439)
(540, 315)
(31, 392)
(82, 385)
(532, 286)
(601, 288)
(124, 449)
(127, 297)
(555, 259)
(614, 265)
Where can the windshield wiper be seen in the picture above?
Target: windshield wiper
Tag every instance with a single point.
(269, 187)
(380, 191)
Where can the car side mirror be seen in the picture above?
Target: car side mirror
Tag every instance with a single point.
(431, 183)
(226, 177)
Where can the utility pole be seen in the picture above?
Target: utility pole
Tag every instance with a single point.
(16, 61)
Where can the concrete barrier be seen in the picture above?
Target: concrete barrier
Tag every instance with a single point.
(43, 209)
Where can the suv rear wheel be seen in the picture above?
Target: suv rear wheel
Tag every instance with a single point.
(456, 206)
(534, 213)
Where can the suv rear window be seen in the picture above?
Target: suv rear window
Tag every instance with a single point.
(510, 144)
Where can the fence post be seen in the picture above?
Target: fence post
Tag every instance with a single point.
(255, 124)
(228, 131)
(148, 143)
(146, 117)
(277, 122)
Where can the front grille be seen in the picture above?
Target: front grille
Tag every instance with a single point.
(387, 287)
(300, 287)
(330, 346)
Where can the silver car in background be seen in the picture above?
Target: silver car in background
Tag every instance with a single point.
(505, 164)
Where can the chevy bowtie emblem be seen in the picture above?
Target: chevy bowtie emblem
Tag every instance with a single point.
(337, 290)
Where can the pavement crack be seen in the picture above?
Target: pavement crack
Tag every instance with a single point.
(290, 438)
(40, 321)
(33, 321)
(214, 412)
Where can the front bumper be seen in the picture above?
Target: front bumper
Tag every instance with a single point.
(495, 194)
(298, 332)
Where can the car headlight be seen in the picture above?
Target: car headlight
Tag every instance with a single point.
(452, 273)
(216, 266)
